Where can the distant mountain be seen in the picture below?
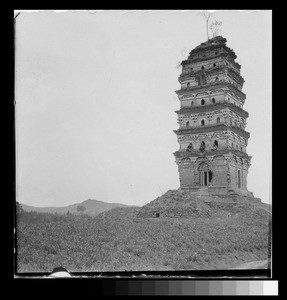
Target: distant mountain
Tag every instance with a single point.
(91, 207)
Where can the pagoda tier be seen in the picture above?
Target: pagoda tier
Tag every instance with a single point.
(211, 88)
(213, 48)
(229, 73)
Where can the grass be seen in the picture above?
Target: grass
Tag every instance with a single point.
(120, 240)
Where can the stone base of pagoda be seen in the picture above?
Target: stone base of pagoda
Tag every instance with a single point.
(212, 190)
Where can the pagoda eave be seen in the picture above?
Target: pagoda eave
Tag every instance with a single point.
(183, 131)
(212, 107)
(187, 154)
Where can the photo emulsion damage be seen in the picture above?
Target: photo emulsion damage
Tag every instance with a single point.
(134, 155)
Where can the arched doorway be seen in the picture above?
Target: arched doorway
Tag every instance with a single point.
(205, 175)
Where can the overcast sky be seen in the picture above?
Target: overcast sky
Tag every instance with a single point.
(95, 101)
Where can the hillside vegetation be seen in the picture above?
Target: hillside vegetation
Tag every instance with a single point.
(213, 233)
(89, 207)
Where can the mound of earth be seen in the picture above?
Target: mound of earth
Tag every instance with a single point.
(182, 203)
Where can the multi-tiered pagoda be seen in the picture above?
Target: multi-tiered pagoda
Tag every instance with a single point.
(212, 139)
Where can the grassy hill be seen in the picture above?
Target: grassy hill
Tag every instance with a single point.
(192, 233)
(91, 207)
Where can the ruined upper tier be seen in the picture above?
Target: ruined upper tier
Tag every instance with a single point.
(208, 49)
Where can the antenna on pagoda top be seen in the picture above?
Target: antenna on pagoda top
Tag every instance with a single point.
(206, 15)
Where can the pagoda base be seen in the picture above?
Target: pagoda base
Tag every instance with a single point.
(212, 190)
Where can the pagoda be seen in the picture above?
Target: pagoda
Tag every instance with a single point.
(212, 138)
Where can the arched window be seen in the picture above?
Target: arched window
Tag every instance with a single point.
(189, 147)
(218, 120)
(187, 124)
(232, 145)
(213, 100)
(202, 102)
(215, 145)
(188, 85)
(202, 68)
(192, 103)
(214, 64)
(202, 146)
(202, 122)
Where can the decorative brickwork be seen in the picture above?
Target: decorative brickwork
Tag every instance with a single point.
(212, 155)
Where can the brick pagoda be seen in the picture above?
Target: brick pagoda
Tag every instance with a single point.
(212, 139)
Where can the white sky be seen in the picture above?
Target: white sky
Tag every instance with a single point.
(95, 101)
